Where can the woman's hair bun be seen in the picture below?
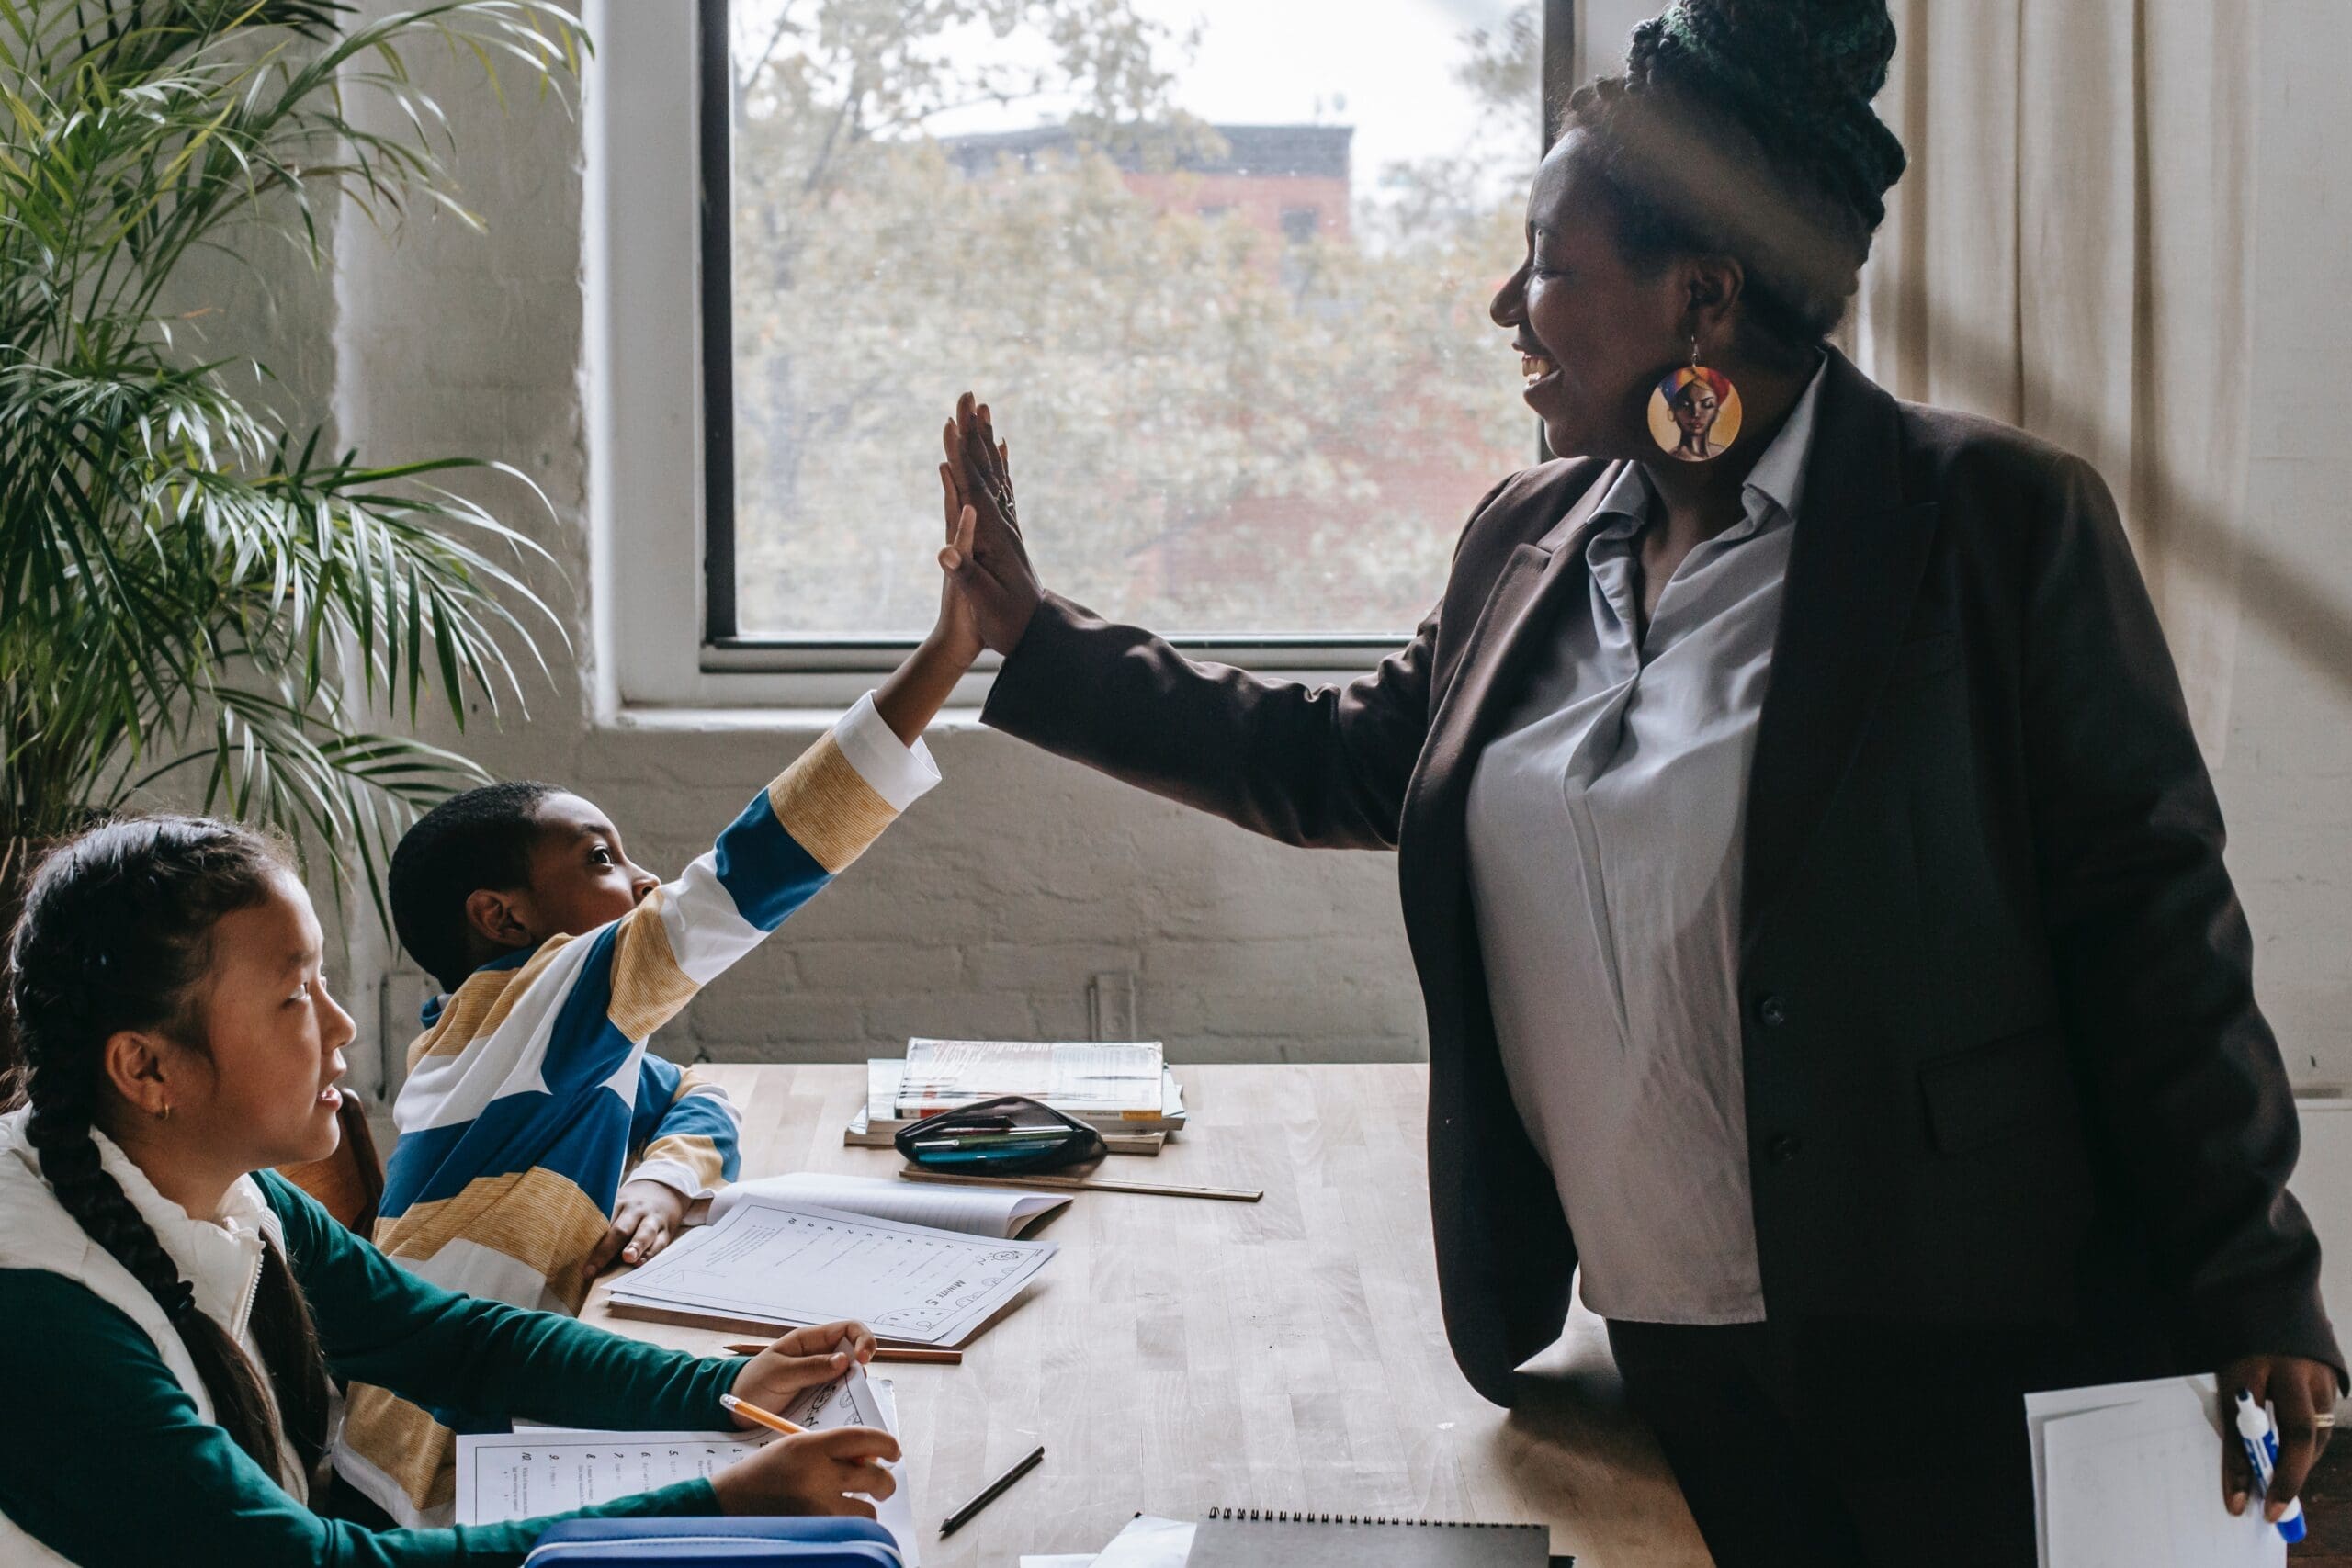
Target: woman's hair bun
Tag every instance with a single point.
(1798, 75)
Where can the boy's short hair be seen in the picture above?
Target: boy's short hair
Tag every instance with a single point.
(480, 839)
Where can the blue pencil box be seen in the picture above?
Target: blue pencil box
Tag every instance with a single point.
(715, 1543)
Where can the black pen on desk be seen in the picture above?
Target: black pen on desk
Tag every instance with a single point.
(994, 1489)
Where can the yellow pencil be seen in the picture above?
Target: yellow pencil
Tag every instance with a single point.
(768, 1418)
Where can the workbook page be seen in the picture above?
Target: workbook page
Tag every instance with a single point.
(771, 1264)
(554, 1470)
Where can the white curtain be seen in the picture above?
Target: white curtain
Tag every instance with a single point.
(2070, 253)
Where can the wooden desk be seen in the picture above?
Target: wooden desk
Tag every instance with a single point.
(1179, 1354)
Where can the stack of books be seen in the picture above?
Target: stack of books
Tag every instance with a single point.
(1123, 1089)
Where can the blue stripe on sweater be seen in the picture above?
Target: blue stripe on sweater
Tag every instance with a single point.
(575, 1128)
(764, 869)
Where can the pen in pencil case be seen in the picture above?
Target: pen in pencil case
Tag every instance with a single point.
(2261, 1444)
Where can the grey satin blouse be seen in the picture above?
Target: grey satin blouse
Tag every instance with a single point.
(1605, 828)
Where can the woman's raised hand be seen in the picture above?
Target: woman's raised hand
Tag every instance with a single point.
(986, 561)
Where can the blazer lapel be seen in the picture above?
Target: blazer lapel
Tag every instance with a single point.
(1524, 602)
(1853, 575)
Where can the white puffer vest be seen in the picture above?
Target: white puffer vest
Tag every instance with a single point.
(220, 1259)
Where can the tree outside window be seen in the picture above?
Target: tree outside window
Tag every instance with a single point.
(1249, 380)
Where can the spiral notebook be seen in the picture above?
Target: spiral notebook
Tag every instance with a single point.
(1260, 1538)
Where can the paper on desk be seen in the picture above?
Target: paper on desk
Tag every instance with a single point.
(992, 1212)
(2129, 1475)
(1149, 1542)
(772, 1262)
(550, 1469)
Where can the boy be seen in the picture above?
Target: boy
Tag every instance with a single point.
(531, 1087)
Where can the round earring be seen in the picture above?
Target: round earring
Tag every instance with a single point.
(165, 1113)
(1694, 411)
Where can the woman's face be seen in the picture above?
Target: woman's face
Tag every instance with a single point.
(260, 1093)
(1594, 335)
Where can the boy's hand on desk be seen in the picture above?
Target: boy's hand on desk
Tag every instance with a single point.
(646, 1216)
(802, 1359)
(832, 1471)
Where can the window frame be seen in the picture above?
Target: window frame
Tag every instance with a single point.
(660, 343)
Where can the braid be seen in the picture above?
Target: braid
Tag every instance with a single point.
(114, 935)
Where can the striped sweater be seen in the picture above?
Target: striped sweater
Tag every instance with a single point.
(531, 1083)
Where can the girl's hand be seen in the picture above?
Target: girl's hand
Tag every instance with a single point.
(832, 1471)
(986, 561)
(802, 1359)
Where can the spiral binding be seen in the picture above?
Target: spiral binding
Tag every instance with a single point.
(1286, 1516)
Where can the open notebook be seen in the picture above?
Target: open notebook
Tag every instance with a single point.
(976, 1211)
(778, 1259)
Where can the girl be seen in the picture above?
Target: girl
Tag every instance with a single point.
(176, 1311)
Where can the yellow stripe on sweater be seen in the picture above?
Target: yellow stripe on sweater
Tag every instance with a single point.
(827, 808)
(696, 1151)
(481, 1004)
(417, 1452)
(534, 1216)
(648, 985)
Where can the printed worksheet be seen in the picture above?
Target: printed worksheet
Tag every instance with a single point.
(550, 1469)
(770, 1262)
(553, 1470)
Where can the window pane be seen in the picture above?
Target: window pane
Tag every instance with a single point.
(1221, 267)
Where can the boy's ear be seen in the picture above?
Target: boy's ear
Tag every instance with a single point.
(498, 918)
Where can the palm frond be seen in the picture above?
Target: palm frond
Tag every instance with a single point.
(190, 587)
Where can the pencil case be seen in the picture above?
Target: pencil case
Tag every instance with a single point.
(715, 1543)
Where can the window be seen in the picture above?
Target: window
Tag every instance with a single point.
(1221, 267)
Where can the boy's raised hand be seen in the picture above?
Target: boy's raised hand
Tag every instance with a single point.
(986, 561)
(646, 1216)
(801, 1360)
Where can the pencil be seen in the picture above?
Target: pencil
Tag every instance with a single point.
(750, 1412)
(994, 1490)
(1086, 1184)
(883, 1353)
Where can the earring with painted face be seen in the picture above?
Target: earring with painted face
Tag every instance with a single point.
(1694, 411)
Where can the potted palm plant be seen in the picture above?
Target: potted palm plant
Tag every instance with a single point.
(198, 595)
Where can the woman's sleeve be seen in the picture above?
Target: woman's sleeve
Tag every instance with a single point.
(1323, 766)
(105, 1460)
(379, 1323)
(2154, 959)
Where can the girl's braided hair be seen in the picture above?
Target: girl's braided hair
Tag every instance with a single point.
(1745, 126)
(115, 934)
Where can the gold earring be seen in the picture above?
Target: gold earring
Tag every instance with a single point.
(165, 1113)
(1694, 411)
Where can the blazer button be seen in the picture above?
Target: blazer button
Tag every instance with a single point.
(1772, 1011)
(1784, 1147)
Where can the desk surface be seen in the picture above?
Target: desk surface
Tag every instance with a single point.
(1179, 1354)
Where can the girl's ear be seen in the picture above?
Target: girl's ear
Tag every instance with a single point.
(135, 1067)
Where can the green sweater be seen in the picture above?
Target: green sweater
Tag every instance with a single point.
(104, 1458)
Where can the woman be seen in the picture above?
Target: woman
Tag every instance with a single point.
(1814, 883)
(174, 1309)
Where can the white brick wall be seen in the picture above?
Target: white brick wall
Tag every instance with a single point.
(993, 907)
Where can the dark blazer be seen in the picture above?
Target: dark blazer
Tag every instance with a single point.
(2003, 1061)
